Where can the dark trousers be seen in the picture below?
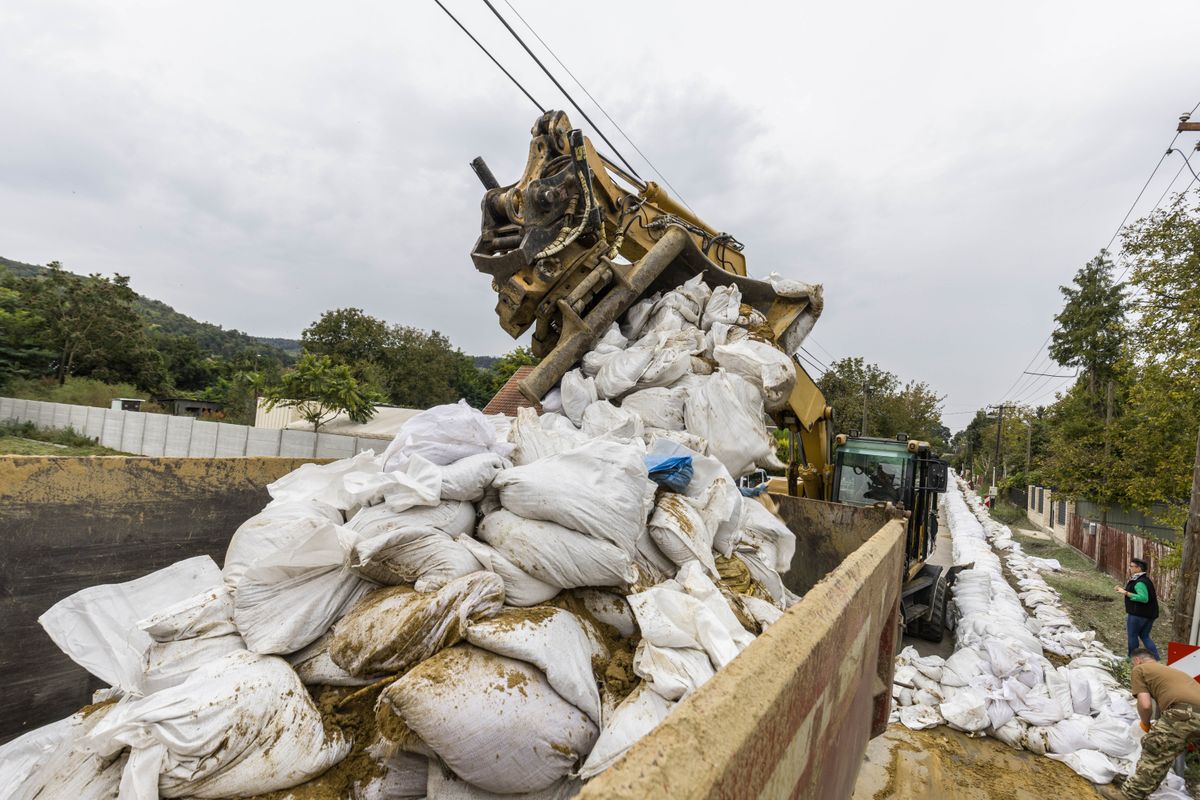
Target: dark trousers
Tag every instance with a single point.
(1138, 628)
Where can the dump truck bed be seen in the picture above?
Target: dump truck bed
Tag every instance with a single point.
(789, 717)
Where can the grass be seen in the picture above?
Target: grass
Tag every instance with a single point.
(1010, 514)
(1087, 593)
(24, 439)
(76, 391)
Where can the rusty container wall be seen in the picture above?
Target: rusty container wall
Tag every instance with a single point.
(826, 533)
(791, 715)
(70, 523)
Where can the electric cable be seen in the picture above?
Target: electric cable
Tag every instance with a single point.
(516, 82)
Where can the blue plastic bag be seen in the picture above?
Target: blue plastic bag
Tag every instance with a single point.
(674, 473)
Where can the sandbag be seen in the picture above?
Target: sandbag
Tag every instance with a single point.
(768, 535)
(425, 557)
(578, 392)
(315, 667)
(452, 517)
(405, 775)
(280, 524)
(554, 641)
(53, 762)
(637, 316)
(240, 725)
(724, 306)
(97, 627)
(445, 785)
(637, 715)
(621, 372)
(600, 489)
(682, 533)
(556, 555)
(658, 407)
(322, 482)
(966, 710)
(764, 365)
(609, 608)
(673, 672)
(602, 418)
(187, 635)
(443, 435)
(536, 437)
(727, 411)
(713, 486)
(395, 627)
(495, 721)
(469, 478)
(520, 588)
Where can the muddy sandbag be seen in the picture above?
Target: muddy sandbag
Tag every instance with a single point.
(600, 489)
(450, 516)
(425, 557)
(537, 436)
(445, 785)
(556, 555)
(767, 367)
(396, 627)
(637, 715)
(520, 588)
(495, 721)
(658, 407)
(240, 725)
(728, 411)
(672, 672)
(679, 528)
(552, 640)
(187, 635)
(54, 762)
(315, 667)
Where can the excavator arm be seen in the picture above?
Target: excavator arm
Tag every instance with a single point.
(577, 241)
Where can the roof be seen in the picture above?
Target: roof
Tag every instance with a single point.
(509, 398)
(383, 425)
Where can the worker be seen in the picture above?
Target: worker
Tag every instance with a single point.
(1178, 698)
(1141, 607)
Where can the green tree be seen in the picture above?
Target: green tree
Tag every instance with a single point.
(350, 337)
(1091, 325)
(913, 408)
(23, 353)
(320, 390)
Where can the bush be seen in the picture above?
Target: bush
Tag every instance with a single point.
(1008, 513)
(63, 436)
(76, 391)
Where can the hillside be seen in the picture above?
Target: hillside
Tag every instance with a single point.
(212, 338)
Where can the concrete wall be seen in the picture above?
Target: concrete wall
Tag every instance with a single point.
(70, 523)
(158, 435)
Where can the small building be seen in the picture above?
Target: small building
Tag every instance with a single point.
(187, 407)
(509, 398)
(126, 404)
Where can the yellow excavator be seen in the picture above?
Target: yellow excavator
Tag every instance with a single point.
(577, 240)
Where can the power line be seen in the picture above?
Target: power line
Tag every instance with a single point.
(607, 116)
(1051, 375)
(516, 82)
(814, 358)
(821, 347)
(554, 80)
(814, 366)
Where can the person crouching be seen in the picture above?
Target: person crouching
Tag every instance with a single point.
(1178, 698)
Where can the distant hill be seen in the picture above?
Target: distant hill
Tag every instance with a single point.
(212, 338)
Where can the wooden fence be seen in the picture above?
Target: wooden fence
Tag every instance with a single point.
(1117, 547)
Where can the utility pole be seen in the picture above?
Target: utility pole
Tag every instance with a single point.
(999, 430)
(1189, 570)
(1108, 407)
(1028, 450)
(864, 424)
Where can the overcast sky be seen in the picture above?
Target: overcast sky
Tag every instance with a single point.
(941, 167)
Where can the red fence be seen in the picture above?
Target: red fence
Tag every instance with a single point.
(1117, 547)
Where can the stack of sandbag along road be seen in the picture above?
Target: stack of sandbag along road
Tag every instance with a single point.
(489, 607)
(1030, 679)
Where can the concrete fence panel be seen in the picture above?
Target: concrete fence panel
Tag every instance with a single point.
(18, 409)
(332, 445)
(33, 412)
(362, 444)
(131, 435)
(231, 440)
(114, 424)
(297, 444)
(79, 418)
(154, 437)
(62, 416)
(93, 428)
(45, 417)
(262, 441)
(179, 436)
(6, 408)
(204, 439)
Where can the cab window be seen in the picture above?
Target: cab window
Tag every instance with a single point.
(867, 479)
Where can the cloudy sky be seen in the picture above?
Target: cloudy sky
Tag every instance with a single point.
(941, 167)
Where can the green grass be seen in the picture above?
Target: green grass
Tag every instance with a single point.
(1087, 593)
(1010, 514)
(76, 391)
(23, 439)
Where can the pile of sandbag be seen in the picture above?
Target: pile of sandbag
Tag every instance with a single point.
(999, 682)
(489, 607)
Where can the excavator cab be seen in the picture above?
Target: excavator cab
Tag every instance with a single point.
(903, 473)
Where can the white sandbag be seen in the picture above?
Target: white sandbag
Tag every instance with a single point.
(600, 489)
(707, 473)
(789, 287)
(769, 535)
(724, 306)
(393, 628)
(621, 372)
(52, 762)
(727, 411)
(1091, 764)
(405, 775)
(280, 524)
(469, 478)
(187, 635)
(689, 611)
(511, 735)
(289, 596)
(760, 612)
(444, 434)
(241, 725)
(425, 557)
(556, 555)
(322, 482)
(554, 641)
(1112, 736)
(764, 365)
(681, 531)
(520, 588)
(666, 367)
(578, 392)
(966, 710)
(536, 437)
(552, 401)
(658, 407)
(1068, 735)
(920, 717)
(445, 785)
(637, 715)
(697, 444)
(452, 517)
(97, 627)
(673, 672)
(609, 608)
(419, 483)
(602, 418)
(638, 315)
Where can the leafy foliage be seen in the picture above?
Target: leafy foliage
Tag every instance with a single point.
(320, 390)
(1091, 325)
(892, 408)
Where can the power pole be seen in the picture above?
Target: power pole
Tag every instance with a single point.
(1108, 404)
(864, 424)
(1189, 570)
(999, 430)
(1028, 451)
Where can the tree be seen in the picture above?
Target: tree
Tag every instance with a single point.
(1091, 325)
(23, 353)
(350, 337)
(892, 408)
(320, 390)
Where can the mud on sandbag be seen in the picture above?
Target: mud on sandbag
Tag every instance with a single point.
(554, 554)
(393, 628)
(520, 588)
(425, 557)
(495, 721)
